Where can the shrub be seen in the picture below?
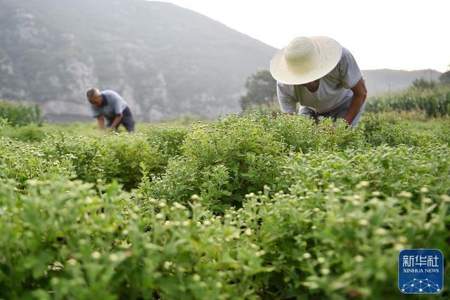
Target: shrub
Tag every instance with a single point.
(115, 157)
(386, 169)
(26, 133)
(257, 207)
(19, 114)
(339, 243)
(434, 102)
(302, 134)
(22, 161)
(222, 162)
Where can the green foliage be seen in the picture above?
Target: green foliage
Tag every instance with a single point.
(113, 157)
(256, 207)
(434, 102)
(21, 161)
(445, 78)
(19, 114)
(261, 90)
(222, 162)
(302, 134)
(27, 133)
(423, 84)
(167, 139)
(333, 242)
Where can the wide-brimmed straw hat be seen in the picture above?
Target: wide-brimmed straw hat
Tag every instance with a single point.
(305, 59)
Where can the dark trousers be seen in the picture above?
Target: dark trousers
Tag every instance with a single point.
(127, 120)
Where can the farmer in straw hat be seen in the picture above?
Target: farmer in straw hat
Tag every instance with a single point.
(110, 105)
(322, 77)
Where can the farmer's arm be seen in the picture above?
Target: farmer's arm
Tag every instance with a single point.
(286, 99)
(116, 121)
(101, 122)
(352, 79)
(118, 105)
(359, 96)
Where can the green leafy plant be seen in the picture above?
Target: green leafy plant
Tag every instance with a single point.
(19, 114)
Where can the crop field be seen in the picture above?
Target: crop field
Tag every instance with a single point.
(260, 206)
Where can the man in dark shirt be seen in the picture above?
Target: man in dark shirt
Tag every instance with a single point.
(111, 106)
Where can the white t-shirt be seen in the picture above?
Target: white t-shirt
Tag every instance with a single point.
(334, 88)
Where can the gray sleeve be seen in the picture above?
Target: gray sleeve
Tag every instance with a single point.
(117, 102)
(348, 69)
(285, 95)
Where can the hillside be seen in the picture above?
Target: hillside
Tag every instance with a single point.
(165, 60)
(385, 80)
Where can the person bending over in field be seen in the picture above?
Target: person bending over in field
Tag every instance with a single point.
(322, 77)
(110, 105)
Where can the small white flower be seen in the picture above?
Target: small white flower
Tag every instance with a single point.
(96, 255)
(325, 271)
(195, 197)
(196, 277)
(254, 246)
(321, 260)
(363, 222)
(306, 255)
(357, 198)
(402, 239)
(399, 246)
(72, 261)
(380, 231)
(424, 190)
(113, 257)
(160, 216)
(359, 258)
(405, 194)
(445, 198)
(427, 200)
(248, 232)
(56, 266)
(363, 184)
(179, 206)
(167, 265)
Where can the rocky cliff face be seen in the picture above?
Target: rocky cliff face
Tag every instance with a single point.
(166, 61)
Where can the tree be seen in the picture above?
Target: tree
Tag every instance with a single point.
(423, 84)
(261, 90)
(445, 77)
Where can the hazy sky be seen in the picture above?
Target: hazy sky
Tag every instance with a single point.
(397, 34)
